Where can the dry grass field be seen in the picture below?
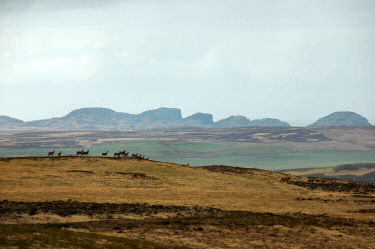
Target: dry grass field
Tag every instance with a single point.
(74, 202)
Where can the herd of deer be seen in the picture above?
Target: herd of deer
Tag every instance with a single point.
(53, 152)
(104, 154)
(118, 154)
(82, 153)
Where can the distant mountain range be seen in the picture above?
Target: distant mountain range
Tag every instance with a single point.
(107, 119)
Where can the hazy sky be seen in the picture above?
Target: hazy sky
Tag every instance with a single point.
(295, 60)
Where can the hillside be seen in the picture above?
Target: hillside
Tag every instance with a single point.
(8, 121)
(269, 122)
(364, 172)
(89, 119)
(342, 119)
(199, 120)
(233, 121)
(126, 203)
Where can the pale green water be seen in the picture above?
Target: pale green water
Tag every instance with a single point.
(263, 156)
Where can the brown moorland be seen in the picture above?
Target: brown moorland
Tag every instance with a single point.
(311, 138)
(74, 202)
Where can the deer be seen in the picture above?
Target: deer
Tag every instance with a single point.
(105, 154)
(138, 156)
(59, 154)
(80, 152)
(116, 154)
(85, 153)
(50, 153)
(124, 153)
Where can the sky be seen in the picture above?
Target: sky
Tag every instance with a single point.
(295, 60)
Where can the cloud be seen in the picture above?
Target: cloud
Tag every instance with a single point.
(14, 6)
(58, 70)
(45, 39)
(49, 54)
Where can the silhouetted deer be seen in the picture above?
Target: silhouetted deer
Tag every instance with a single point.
(80, 152)
(85, 153)
(51, 153)
(105, 154)
(124, 153)
(116, 154)
(59, 154)
(139, 156)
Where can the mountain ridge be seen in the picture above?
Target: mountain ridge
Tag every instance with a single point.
(99, 118)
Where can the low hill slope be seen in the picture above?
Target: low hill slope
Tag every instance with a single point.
(233, 121)
(8, 121)
(125, 203)
(364, 172)
(269, 122)
(129, 180)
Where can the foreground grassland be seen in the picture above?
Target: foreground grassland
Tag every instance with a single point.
(73, 202)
